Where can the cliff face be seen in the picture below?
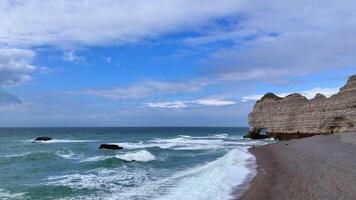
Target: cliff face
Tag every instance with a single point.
(295, 116)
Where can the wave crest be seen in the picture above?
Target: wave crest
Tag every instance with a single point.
(4, 194)
(61, 141)
(142, 156)
(139, 156)
(215, 179)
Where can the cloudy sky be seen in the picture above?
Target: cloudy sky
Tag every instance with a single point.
(166, 63)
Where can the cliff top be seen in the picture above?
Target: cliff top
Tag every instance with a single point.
(352, 78)
(350, 85)
(270, 95)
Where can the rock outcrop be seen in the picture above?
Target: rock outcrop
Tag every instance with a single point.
(110, 146)
(43, 138)
(295, 116)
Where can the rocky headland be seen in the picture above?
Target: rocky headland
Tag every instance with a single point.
(295, 116)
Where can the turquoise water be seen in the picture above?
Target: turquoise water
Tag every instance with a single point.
(156, 163)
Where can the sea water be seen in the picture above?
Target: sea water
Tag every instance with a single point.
(156, 163)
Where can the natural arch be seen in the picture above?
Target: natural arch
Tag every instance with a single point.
(257, 133)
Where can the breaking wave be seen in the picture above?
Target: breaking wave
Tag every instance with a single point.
(61, 141)
(216, 179)
(139, 156)
(6, 195)
(186, 142)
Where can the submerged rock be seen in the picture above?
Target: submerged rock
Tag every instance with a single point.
(295, 116)
(43, 138)
(110, 146)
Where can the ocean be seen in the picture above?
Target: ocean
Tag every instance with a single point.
(156, 163)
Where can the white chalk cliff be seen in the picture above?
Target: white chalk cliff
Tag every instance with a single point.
(296, 116)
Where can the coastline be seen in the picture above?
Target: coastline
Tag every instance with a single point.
(319, 167)
(258, 184)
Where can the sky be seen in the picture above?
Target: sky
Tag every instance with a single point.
(166, 63)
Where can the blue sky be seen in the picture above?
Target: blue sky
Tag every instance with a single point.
(166, 63)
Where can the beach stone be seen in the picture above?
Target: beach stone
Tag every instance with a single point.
(43, 138)
(110, 146)
(295, 116)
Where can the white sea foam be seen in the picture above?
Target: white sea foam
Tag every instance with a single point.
(67, 154)
(215, 136)
(139, 156)
(113, 180)
(180, 143)
(270, 139)
(4, 195)
(61, 141)
(222, 135)
(189, 143)
(95, 158)
(142, 145)
(142, 156)
(16, 155)
(184, 142)
(103, 179)
(216, 179)
(185, 136)
(213, 180)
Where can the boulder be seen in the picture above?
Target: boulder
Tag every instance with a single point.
(110, 146)
(295, 116)
(43, 138)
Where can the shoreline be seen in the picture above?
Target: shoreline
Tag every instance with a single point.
(257, 185)
(245, 185)
(318, 167)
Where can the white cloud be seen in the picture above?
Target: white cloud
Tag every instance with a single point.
(325, 91)
(15, 69)
(267, 74)
(213, 102)
(146, 89)
(251, 98)
(175, 104)
(8, 99)
(15, 66)
(275, 40)
(184, 104)
(102, 22)
(307, 93)
(72, 57)
(9, 108)
(235, 34)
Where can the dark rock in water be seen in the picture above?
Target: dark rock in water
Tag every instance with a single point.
(43, 138)
(256, 136)
(110, 146)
